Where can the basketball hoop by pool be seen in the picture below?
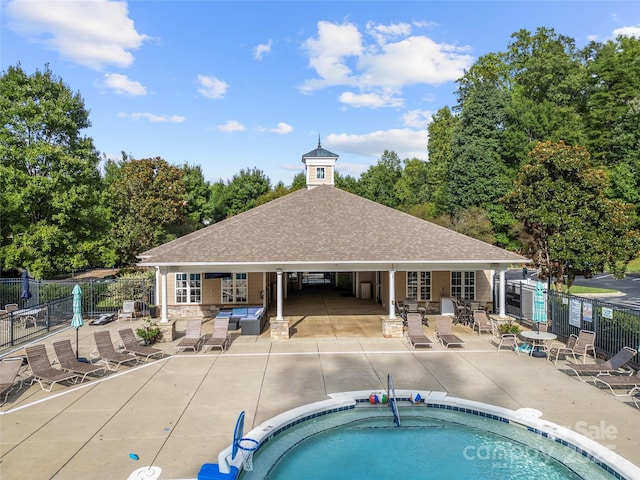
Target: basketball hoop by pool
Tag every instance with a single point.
(440, 436)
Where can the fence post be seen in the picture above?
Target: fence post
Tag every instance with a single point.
(11, 336)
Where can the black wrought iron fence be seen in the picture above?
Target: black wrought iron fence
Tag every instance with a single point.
(51, 303)
(22, 325)
(615, 326)
(98, 296)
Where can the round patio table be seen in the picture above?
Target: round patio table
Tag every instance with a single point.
(537, 340)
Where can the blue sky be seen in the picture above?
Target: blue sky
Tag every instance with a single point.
(233, 85)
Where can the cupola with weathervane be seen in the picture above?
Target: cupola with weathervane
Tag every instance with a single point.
(320, 164)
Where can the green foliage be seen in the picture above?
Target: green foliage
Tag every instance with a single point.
(412, 188)
(216, 206)
(441, 130)
(378, 182)
(503, 223)
(149, 332)
(505, 328)
(134, 285)
(573, 228)
(347, 183)
(299, 182)
(425, 211)
(244, 189)
(49, 178)
(278, 191)
(148, 206)
(472, 222)
(477, 173)
(197, 198)
(613, 93)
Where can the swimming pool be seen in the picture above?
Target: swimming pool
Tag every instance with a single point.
(443, 437)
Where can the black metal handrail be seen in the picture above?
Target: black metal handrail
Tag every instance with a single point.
(393, 401)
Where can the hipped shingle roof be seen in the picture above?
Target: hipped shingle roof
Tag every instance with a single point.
(331, 229)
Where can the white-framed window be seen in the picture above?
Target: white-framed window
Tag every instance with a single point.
(235, 288)
(188, 288)
(320, 173)
(419, 286)
(463, 285)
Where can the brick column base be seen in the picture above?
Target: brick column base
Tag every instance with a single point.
(168, 331)
(392, 328)
(279, 329)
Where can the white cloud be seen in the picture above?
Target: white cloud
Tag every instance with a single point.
(384, 33)
(371, 100)
(353, 169)
(261, 49)
(388, 62)
(121, 85)
(417, 118)
(93, 33)
(211, 87)
(153, 118)
(413, 60)
(327, 54)
(282, 128)
(630, 31)
(231, 126)
(406, 142)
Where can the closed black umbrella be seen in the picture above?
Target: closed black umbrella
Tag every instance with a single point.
(26, 293)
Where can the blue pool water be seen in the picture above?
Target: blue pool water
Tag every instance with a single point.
(431, 443)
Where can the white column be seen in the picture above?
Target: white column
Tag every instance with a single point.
(392, 294)
(502, 287)
(279, 298)
(156, 296)
(264, 291)
(163, 282)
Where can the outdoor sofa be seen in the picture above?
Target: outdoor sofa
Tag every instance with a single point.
(250, 320)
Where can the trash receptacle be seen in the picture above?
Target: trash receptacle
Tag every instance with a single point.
(365, 290)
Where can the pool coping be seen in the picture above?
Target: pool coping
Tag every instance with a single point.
(528, 418)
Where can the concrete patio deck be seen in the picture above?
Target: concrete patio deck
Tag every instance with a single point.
(178, 413)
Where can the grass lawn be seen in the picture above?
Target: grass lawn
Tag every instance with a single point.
(634, 266)
(576, 290)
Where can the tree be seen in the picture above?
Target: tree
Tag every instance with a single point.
(347, 183)
(244, 189)
(613, 93)
(148, 205)
(216, 206)
(412, 188)
(197, 197)
(280, 190)
(477, 173)
(441, 130)
(573, 228)
(472, 222)
(489, 69)
(547, 92)
(49, 178)
(299, 181)
(378, 182)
